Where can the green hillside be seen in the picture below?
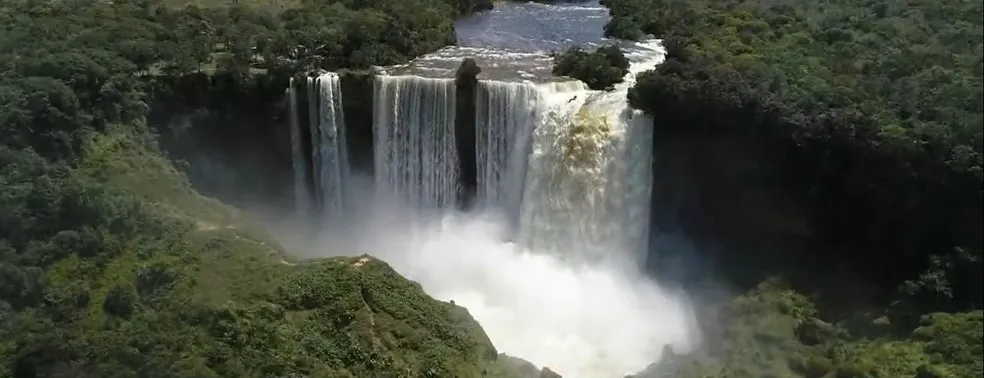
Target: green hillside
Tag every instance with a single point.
(111, 265)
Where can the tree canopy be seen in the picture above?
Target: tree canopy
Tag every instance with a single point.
(872, 112)
(111, 265)
(600, 69)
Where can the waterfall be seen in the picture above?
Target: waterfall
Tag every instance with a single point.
(587, 190)
(570, 167)
(589, 178)
(328, 169)
(302, 200)
(414, 144)
(504, 119)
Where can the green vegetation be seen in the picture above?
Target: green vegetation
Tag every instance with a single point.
(600, 70)
(111, 265)
(157, 37)
(775, 332)
(872, 113)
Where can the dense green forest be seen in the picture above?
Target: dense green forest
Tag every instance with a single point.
(111, 265)
(872, 111)
(599, 69)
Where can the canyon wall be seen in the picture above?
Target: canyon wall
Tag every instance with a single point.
(716, 192)
(721, 195)
(234, 142)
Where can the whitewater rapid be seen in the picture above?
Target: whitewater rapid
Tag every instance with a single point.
(596, 321)
(568, 293)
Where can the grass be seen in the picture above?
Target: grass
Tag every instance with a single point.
(117, 159)
(235, 268)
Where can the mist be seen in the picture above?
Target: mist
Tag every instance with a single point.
(570, 294)
(594, 320)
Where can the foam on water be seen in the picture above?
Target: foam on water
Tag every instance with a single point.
(555, 297)
(546, 298)
(594, 321)
(589, 179)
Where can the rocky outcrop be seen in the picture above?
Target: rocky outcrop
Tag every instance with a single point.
(466, 83)
(357, 102)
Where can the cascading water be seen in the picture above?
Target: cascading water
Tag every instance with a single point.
(568, 294)
(329, 152)
(413, 130)
(505, 116)
(571, 169)
(302, 199)
(589, 179)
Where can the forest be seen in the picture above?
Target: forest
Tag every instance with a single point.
(600, 69)
(872, 112)
(112, 265)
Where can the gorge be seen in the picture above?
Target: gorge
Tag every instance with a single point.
(526, 201)
(419, 188)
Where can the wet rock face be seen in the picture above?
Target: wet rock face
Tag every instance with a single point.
(468, 72)
(724, 194)
(236, 140)
(357, 103)
(466, 81)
